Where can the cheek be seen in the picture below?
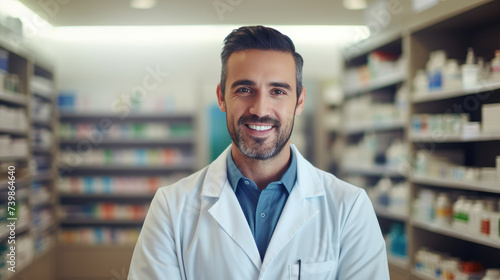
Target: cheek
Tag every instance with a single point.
(236, 110)
(287, 113)
(231, 118)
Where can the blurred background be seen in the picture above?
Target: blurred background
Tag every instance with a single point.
(103, 102)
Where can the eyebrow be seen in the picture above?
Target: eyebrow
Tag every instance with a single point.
(252, 83)
(281, 85)
(242, 83)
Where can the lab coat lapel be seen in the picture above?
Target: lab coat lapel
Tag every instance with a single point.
(227, 210)
(297, 211)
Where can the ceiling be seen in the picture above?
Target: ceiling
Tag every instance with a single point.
(196, 12)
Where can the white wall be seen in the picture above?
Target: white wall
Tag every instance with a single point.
(109, 62)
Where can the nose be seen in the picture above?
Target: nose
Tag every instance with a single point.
(261, 105)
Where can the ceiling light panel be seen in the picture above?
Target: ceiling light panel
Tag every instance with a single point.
(142, 4)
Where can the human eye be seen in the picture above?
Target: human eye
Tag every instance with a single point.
(243, 90)
(278, 92)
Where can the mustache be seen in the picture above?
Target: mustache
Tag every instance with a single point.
(254, 118)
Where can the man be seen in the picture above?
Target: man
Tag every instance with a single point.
(260, 210)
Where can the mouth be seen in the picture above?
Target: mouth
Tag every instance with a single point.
(259, 127)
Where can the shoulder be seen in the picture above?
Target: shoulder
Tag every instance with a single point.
(339, 188)
(183, 194)
(188, 186)
(318, 181)
(189, 190)
(336, 195)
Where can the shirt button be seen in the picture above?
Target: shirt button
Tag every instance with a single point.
(262, 215)
(246, 182)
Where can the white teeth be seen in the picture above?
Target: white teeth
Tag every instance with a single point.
(260, 127)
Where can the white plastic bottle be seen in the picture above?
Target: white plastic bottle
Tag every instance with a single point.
(475, 217)
(492, 274)
(443, 210)
(466, 212)
(495, 226)
(417, 209)
(485, 218)
(458, 219)
(498, 166)
(470, 71)
(428, 204)
(495, 67)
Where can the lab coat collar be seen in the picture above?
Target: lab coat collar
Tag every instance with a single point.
(226, 210)
(217, 174)
(308, 179)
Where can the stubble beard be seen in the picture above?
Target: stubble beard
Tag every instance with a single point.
(254, 147)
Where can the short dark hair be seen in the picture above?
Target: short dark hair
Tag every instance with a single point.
(261, 38)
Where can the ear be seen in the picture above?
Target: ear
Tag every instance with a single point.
(220, 99)
(301, 101)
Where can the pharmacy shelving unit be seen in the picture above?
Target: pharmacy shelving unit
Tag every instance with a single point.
(452, 27)
(477, 28)
(36, 226)
(381, 88)
(87, 134)
(332, 132)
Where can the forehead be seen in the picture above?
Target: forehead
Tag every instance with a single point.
(261, 64)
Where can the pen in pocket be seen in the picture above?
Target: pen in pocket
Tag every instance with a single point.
(300, 267)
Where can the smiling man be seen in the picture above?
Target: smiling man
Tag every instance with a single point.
(260, 210)
(260, 104)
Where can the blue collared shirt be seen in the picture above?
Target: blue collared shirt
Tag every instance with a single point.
(262, 209)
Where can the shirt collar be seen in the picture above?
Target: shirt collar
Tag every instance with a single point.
(288, 179)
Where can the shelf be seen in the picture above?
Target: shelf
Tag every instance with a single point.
(5, 184)
(132, 168)
(44, 176)
(179, 141)
(45, 123)
(106, 195)
(16, 99)
(453, 233)
(39, 149)
(47, 228)
(385, 213)
(493, 187)
(333, 129)
(13, 158)
(43, 204)
(125, 117)
(381, 82)
(17, 183)
(448, 94)
(376, 170)
(373, 127)
(14, 132)
(400, 262)
(87, 247)
(372, 43)
(19, 231)
(100, 222)
(46, 96)
(455, 138)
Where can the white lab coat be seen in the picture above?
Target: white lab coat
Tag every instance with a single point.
(195, 229)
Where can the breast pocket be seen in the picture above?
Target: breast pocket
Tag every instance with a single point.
(317, 271)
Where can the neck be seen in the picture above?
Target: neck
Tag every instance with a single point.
(262, 172)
